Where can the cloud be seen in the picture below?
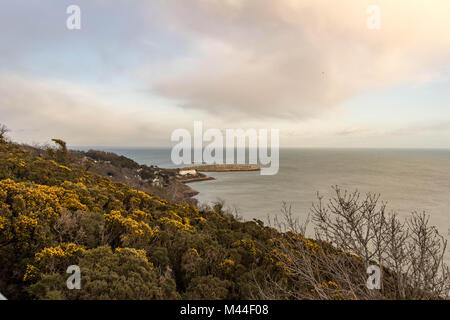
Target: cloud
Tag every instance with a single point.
(38, 110)
(296, 59)
(350, 131)
(241, 59)
(231, 63)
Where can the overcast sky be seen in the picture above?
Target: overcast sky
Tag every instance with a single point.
(137, 70)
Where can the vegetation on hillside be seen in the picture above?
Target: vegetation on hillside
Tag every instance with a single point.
(130, 244)
(127, 243)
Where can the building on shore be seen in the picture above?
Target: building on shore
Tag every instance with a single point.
(192, 172)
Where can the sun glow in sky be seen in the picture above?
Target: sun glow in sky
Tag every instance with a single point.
(137, 70)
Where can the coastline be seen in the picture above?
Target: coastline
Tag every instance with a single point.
(199, 176)
(223, 168)
(197, 179)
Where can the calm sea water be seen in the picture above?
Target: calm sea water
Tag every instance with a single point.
(407, 179)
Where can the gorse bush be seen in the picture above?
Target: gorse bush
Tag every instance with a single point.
(115, 160)
(125, 273)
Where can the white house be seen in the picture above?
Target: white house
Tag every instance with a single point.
(157, 183)
(192, 172)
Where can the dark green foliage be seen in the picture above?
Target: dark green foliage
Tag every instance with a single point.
(208, 287)
(114, 159)
(61, 154)
(3, 131)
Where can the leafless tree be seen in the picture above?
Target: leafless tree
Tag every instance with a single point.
(287, 221)
(352, 233)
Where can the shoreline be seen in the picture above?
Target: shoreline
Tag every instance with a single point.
(223, 168)
(197, 179)
(200, 176)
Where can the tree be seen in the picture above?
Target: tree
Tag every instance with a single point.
(61, 155)
(3, 131)
(353, 232)
(412, 250)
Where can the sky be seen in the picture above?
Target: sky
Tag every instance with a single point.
(139, 69)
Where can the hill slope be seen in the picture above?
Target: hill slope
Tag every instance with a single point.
(129, 244)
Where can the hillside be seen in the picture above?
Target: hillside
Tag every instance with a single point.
(128, 243)
(132, 244)
(164, 183)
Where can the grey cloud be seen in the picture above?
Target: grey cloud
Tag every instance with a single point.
(350, 131)
(38, 111)
(287, 59)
